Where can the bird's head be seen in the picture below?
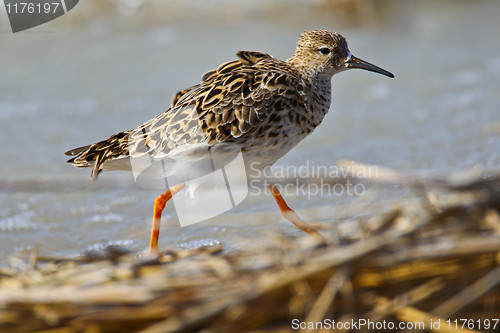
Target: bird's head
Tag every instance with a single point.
(322, 52)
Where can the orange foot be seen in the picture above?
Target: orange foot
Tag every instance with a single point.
(290, 214)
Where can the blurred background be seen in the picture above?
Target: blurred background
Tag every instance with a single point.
(109, 66)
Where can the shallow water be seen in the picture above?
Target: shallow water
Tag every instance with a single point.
(99, 70)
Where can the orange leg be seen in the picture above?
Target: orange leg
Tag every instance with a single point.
(290, 214)
(160, 203)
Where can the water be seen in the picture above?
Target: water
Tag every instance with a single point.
(106, 67)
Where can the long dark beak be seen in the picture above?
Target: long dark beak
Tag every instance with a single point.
(354, 62)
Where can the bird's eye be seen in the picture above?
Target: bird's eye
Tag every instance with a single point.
(324, 50)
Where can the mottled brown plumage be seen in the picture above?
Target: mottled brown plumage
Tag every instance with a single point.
(262, 104)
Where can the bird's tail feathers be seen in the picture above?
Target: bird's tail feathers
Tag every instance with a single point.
(97, 154)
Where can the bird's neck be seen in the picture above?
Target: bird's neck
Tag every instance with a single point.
(322, 81)
(313, 73)
(320, 88)
(319, 98)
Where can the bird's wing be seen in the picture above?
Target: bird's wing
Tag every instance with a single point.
(232, 104)
(233, 101)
